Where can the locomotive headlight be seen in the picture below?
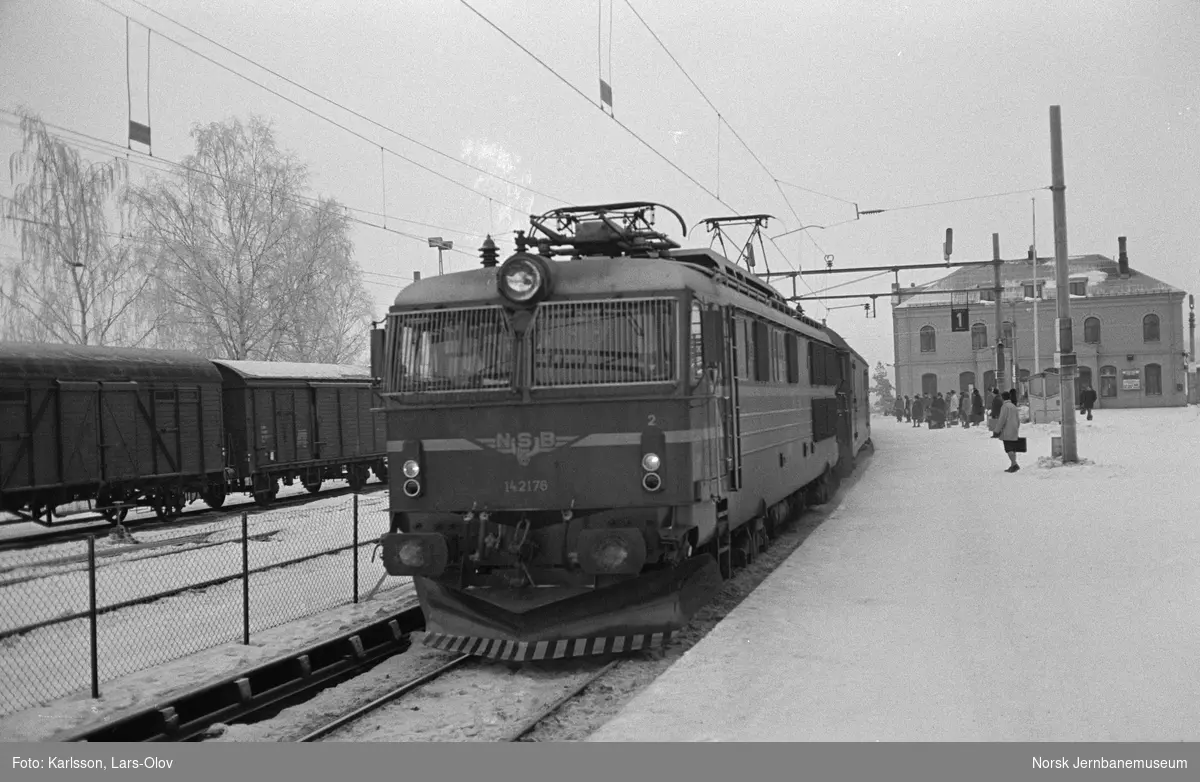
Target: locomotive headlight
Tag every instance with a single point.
(521, 280)
(651, 462)
(524, 279)
(411, 469)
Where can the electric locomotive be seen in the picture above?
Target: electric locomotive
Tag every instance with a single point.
(584, 448)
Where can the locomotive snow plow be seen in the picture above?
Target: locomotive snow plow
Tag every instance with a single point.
(542, 623)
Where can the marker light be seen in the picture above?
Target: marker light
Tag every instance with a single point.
(412, 488)
(651, 462)
(411, 469)
(651, 482)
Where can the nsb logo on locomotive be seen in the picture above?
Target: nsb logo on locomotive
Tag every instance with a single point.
(526, 445)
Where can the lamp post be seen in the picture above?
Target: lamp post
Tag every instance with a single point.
(441, 244)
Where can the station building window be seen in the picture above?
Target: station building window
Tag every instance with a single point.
(979, 337)
(1091, 331)
(1108, 381)
(928, 339)
(1150, 328)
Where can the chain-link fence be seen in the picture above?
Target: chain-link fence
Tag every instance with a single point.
(75, 615)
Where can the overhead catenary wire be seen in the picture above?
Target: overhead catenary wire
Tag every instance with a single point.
(953, 201)
(594, 103)
(316, 113)
(722, 120)
(343, 107)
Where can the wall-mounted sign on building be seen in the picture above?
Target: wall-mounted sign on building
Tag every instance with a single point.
(1131, 379)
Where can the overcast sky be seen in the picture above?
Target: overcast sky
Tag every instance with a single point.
(880, 102)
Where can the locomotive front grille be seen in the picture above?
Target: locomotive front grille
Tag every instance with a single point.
(604, 343)
(571, 344)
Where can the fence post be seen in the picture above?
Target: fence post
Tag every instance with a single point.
(92, 617)
(355, 549)
(245, 579)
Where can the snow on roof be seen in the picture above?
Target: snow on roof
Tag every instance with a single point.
(1102, 275)
(288, 370)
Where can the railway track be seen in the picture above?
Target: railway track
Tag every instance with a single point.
(188, 518)
(513, 734)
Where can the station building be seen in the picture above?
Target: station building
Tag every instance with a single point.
(1127, 330)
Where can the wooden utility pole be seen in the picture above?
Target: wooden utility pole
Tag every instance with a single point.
(1001, 380)
(1066, 351)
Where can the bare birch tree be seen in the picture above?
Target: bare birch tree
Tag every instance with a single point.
(74, 281)
(251, 268)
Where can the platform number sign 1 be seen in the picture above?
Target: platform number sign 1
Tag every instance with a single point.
(959, 319)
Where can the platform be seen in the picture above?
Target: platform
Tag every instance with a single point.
(946, 600)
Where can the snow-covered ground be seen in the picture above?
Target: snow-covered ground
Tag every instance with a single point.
(153, 685)
(38, 586)
(947, 600)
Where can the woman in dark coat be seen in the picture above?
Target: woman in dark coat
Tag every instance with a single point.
(898, 409)
(917, 410)
(976, 408)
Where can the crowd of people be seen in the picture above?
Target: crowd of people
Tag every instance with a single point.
(967, 410)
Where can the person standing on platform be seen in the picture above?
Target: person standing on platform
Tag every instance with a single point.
(908, 408)
(916, 411)
(1087, 400)
(964, 409)
(898, 409)
(1008, 428)
(976, 408)
(997, 404)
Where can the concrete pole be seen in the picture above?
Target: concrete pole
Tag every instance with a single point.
(1191, 377)
(1037, 357)
(1001, 380)
(1066, 349)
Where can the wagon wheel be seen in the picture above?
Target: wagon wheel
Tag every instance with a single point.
(313, 486)
(214, 496)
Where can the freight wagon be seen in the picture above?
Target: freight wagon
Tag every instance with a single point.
(116, 428)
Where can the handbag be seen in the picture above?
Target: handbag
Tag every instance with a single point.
(1020, 446)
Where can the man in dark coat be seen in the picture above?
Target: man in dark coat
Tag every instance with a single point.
(917, 410)
(976, 408)
(997, 404)
(898, 409)
(1087, 400)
